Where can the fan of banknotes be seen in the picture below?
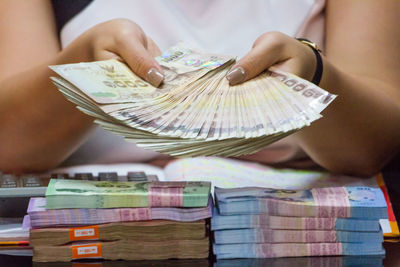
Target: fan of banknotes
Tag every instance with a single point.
(195, 112)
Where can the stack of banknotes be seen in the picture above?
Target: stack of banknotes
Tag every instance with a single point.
(195, 112)
(322, 261)
(120, 220)
(258, 222)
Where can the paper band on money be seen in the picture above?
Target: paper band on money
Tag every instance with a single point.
(84, 233)
(137, 214)
(319, 223)
(166, 194)
(331, 202)
(165, 197)
(304, 223)
(86, 251)
(312, 249)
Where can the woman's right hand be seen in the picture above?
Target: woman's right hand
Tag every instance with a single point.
(119, 39)
(41, 128)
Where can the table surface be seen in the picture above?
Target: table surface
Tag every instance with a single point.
(393, 250)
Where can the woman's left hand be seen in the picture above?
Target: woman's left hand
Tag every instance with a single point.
(274, 49)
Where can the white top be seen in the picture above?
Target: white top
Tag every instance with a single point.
(217, 26)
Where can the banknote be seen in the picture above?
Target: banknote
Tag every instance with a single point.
(265, 221)
(155, 230)
(124, 250)
(66, 193)
(181, 63)
(195, 111)
(106, 82)
(40, 217)
(257, 235)
(321, 261)
(342, 202)
(268, 250)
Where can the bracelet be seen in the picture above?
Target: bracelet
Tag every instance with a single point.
(318, 71)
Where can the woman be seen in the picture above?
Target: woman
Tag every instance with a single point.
(360, 130)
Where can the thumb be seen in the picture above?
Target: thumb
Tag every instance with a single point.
(141, 61)
(258, 59)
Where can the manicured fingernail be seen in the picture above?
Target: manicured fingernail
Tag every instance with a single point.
(236, 75)
(154, 77)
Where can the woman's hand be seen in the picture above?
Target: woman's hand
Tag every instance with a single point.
(119, 39)
(356, 135)
(274, 49)
(42, 121)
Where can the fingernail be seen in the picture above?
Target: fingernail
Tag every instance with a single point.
(236, 75)
(154, 77)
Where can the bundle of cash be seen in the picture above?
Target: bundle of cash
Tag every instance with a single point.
(151, 231)
(64, 193)
(259, 235)
(123, 249)
(41, 218)
(266, 221)
(332, 261)
(195, 111)
(255, 222)
(340, 202)
(276, 250)
(164, 220)
(141, 263)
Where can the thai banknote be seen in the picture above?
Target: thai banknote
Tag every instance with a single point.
(195, 111)
(105, 82)
(265, 221)
(321, 261)
(124, 250)
(257, 235)
(342, 202)
(62, 193)
(40, 217)
(155, 230)
(268, 250)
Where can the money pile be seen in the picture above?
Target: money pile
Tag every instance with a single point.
(65, 193)
(13, 237)
(323, 261)
(155, 220)
(195, 112)
(256, 222)
(42, 218)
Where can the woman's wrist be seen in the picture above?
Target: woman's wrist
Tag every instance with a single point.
(319, 63)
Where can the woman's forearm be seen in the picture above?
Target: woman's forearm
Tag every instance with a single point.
(360, 130)
(40, 128)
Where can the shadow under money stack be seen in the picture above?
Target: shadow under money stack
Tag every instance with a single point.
(258, 222)
(120, 220)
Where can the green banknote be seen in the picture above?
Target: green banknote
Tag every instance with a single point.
(65, 194)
